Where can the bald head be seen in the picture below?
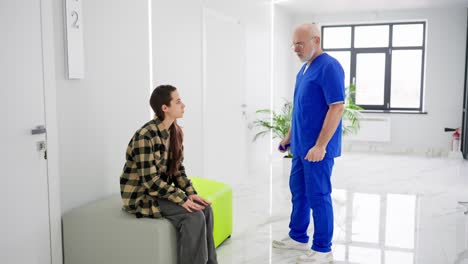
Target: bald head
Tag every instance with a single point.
(309, 30)
(306, 41)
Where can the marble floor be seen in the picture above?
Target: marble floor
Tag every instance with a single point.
(388, 210)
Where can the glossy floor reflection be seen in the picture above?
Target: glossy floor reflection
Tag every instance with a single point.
(388, 210)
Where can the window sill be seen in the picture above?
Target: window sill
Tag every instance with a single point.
(394, 112)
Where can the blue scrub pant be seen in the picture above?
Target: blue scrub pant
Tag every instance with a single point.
(311, 189)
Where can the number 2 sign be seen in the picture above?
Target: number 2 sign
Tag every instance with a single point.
(75, 50)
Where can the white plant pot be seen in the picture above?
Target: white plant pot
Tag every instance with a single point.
(287, 164)
(285, 194)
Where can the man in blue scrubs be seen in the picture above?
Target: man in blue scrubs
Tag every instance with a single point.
(315, 138)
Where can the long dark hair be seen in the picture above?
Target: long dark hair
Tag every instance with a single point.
(162, 96)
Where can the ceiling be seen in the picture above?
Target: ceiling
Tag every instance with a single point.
(348, 6)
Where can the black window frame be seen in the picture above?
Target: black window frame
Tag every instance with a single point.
(386, 107)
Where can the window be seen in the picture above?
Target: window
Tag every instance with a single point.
(384, 61)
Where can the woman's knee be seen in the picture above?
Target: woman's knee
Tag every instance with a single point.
(208, 210)
(197, 218)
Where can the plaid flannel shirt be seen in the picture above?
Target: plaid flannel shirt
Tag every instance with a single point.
(145, 179)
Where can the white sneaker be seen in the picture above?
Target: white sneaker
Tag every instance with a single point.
(316, 257)
(289, 243)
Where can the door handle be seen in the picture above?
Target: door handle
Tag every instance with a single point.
(38, 130)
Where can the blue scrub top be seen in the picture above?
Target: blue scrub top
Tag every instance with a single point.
(321, 85)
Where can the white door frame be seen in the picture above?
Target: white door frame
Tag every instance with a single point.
(48, 60)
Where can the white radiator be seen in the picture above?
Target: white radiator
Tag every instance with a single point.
(372, 129)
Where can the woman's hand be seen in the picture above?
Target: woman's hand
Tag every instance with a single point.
(199, 199)
(191, 206)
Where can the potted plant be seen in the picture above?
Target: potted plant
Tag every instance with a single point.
(281, 122)
(351, 113)
(279, 127)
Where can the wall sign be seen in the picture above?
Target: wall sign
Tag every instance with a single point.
(74, 41)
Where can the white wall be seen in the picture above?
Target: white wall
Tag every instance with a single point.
(445, 66)
(98, 115)
(259, 87)
(284, 57)
(284, 68)
(177, 59)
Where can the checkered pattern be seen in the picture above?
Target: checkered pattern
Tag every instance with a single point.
(144, 179)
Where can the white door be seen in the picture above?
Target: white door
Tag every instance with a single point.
(24, 221)
(223, 97)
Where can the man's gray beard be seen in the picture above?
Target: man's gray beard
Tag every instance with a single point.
(306, 59)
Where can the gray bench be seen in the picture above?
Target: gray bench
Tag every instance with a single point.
(101, 233)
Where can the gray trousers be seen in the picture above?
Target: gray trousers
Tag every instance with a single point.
(195, 244)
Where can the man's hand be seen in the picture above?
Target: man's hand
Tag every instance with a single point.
(316, 154)
(199, 199)
(191, 206)
(282, 145)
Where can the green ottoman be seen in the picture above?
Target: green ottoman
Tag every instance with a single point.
(220, 195)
